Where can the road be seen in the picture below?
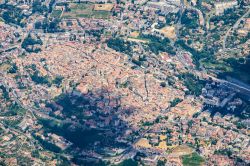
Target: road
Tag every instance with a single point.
(231, 84)
(235, 26)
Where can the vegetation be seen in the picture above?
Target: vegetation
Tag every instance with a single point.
(51, 3)
(190, 19)
(78, 160)
(147, 123)
(163, 84)
(13, 68)
(171, 19)
(29, 44)
(72, 108)
(161, 163)
(50, 26)
(128, 162)
(193, 159)
(14, 109)
(193, 84)
(175, 102)
(157, 44)
(96, 33)
(75, 10)
(120, 45)
(226, 152)
(229, 17)
(12, 14)
(5, 92)
(47, 145)
(38, 79)
(38, 7)
(24, 160)
(56, 13)
(240, 69)
(81, 138)
(196, 55)
(58, 80)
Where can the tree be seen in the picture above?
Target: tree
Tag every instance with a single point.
(58, 80)
(193, 84)
(128, 162)
(13, 15)
(67, 8)
(38, 25)
(120, 45)
(29, 42)
(161, 163)
(157, 44)
(39, 79)
(163, 84)
(38, 7)
(13, 68)
(190, 19)
(199, 3)
(190, 123)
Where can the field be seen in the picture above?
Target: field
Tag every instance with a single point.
(56, 13)
(85, 10)
(217, 65)
(168, 31)
(182, 150)
(135, 37)
(103, 7)
(192, 160)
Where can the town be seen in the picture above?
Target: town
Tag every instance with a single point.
(124, 82)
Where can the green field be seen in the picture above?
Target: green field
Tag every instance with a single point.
(85, 10)
(216, 65)
(56, 13)
(192, 160)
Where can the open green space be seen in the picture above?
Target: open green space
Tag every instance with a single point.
(84, 10)
(56, 13)
(215, 65)
(192, 160)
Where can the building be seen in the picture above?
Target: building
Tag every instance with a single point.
(220, 7)
(165, 7)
